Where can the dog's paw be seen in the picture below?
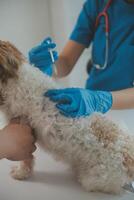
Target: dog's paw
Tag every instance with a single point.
(20, 173)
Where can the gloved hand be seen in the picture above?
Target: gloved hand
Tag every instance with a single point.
(77, 102)
(40, 56)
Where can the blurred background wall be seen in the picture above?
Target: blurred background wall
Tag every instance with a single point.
(27, 22)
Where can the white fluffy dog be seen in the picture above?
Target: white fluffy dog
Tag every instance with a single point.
(100, 153)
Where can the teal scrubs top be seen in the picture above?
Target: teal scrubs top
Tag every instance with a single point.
(119, 73)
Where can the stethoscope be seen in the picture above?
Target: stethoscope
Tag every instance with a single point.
(107, 29)
(104, 14)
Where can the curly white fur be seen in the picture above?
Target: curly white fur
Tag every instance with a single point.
(93, 146)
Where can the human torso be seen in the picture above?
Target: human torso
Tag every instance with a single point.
(119, 73)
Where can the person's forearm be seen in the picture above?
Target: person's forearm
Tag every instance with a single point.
(62, 68)
(68, 58)
(123, 99)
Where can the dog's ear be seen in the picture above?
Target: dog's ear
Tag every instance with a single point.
(10, 61)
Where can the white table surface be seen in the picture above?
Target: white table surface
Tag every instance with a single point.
(52, 180)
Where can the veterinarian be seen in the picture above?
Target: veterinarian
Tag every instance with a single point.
(109, 26)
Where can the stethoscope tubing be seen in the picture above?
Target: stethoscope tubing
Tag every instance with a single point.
(107, 30)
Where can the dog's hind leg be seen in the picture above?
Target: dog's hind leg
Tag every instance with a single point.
(24, 170)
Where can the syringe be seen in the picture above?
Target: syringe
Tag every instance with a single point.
(53, 61)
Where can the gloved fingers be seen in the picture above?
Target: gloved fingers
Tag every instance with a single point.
(43, 58)
(75, 114)
(75, 110)
(47, 40)
(47, 46)
(70, 106)
(64, 111)
(59, 91)
(61, 99)
(54, 92)
(42, 48)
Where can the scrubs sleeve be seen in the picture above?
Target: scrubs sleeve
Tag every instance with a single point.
(85, 26)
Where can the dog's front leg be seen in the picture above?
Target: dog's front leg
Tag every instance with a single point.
(24, 170)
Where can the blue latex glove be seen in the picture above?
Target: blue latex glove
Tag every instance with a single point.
(77, 102)
(41, 58)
